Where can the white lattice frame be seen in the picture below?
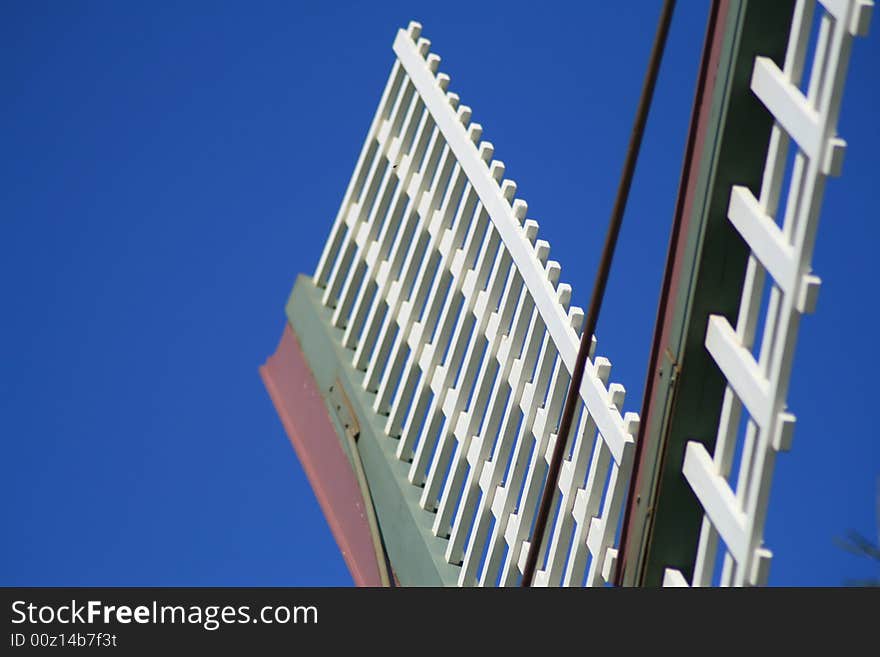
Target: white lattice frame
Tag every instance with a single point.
(737, 515)
(428, 219)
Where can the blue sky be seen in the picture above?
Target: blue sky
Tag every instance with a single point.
(168, 170)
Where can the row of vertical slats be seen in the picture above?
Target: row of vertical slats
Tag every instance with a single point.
(457, 320)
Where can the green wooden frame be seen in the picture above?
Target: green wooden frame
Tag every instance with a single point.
(685, 388)
(416, 555)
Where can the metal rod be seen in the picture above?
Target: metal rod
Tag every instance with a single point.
(382, 562)
(577, 375)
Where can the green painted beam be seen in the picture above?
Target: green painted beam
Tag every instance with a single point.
(416, 555)
(685, 403)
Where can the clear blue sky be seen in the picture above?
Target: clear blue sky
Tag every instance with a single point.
(168, 170)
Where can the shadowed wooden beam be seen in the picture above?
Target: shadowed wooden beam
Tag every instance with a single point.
(705, 267)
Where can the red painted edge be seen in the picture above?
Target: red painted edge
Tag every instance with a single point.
(298, 401)
(700, 114)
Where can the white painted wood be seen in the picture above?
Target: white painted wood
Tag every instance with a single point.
(788, 106)
(735, 514)
(378, 219)
(428, 307)
(489, 472)
(610, 423)
(461, 336)
(373, 350)
(394, 269)
(506, 496)
(545, 423)
(465, 422)
(411, 307)
(763, 236)
(715, 496)
(571, 479)
(600, 543)
(380, 251)
(416, 279)
(499, 406)
(740, 368)
(331, 249)
(482, 304)
(463, 333)
(855, 16)
(372, 188)
(439, 319)
(674, 578)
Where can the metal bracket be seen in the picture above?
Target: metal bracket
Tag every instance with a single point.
(344, 411)
(669, 368)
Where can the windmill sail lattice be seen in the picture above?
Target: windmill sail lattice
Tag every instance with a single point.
(758, 384)
(437, 332)
(458, 321)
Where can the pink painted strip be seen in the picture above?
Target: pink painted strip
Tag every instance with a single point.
(298, 401)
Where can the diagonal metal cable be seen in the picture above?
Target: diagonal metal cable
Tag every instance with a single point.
(614, 224)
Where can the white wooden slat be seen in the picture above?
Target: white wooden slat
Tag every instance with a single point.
(416, 264)
(520, 521)
(609, 565)
(374, 349)
(739, 367)
(342, 224)
(399, 369)
(795, 56)
(468, 224)
(599, 535)
(788, 105)
(413, 279)
(600, 538)
(585, 505)
(545, 423)
(716, 497)
(577, 559)
(763, 236)
(572, 473)
(723, 460)
(519, 375)
(407, 172)
(674, 579)
(586, 509)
